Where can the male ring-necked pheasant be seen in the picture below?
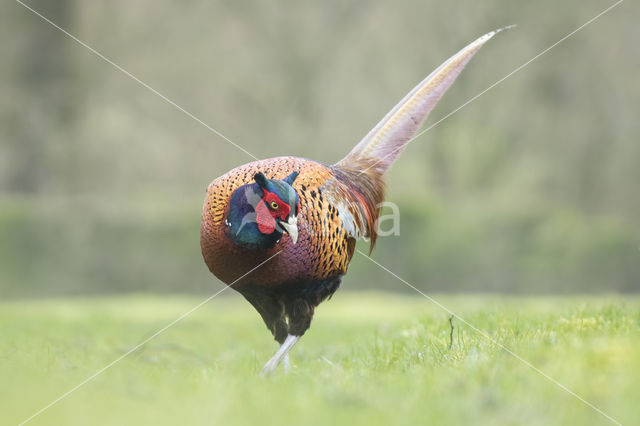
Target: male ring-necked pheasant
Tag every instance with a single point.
(324, 209)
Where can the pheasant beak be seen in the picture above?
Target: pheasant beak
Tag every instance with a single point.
(291, 228)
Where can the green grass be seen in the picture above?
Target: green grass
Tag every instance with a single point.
(368, 359)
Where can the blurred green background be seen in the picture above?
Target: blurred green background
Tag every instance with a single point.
(532, 188)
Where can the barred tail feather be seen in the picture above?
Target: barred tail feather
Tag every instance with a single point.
(382, 145)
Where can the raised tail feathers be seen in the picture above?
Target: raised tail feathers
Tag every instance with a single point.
(382, 145)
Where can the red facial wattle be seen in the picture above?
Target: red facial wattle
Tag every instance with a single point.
(266, 222)
(266, 217)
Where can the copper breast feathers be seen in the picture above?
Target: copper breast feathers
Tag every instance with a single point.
(326, 226)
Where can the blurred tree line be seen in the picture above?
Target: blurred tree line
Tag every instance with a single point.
(531, 188)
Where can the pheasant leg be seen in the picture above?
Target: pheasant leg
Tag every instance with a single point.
(271, 365)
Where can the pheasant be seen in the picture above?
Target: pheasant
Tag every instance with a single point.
(282, 231)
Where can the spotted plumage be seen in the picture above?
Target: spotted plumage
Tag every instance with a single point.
(324, 245)
(282, 231)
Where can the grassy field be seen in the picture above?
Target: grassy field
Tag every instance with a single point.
(369, 358)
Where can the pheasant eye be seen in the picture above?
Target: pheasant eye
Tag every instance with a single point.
(273, 205)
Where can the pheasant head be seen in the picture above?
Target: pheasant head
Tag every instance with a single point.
(261, 212)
